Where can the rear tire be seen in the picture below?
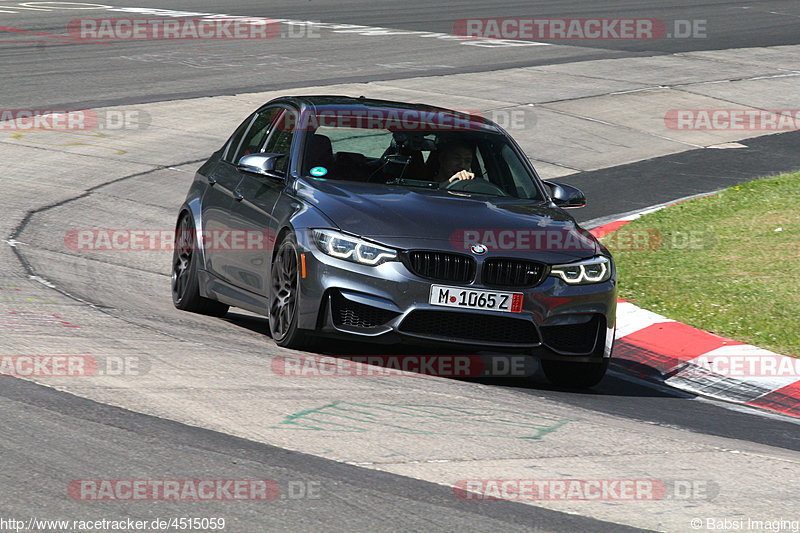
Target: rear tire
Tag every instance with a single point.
(185, 284)
(575, 375)
(284, 297)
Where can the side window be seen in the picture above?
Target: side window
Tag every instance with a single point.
(280, 139)
(255, 136)
(236, 138)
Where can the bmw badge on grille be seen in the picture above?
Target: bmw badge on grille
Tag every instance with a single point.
(479, 249)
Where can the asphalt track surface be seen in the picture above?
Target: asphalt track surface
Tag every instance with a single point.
(71, 431)
(50, 435)
(123, 72)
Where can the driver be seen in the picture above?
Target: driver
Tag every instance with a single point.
(454, 162)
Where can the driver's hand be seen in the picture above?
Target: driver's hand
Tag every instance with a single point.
(461, 175)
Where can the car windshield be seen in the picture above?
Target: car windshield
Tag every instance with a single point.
(447, 152)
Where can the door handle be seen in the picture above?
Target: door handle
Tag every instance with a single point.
(211, 181)
(237, 195)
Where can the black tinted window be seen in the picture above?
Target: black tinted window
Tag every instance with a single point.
(255, 136)
(280, 139)
(236, 138)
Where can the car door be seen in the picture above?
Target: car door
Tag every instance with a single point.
(218, 199)
(254, 200)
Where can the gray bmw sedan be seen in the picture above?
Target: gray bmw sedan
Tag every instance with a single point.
(392, 222)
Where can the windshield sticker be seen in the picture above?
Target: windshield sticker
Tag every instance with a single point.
(318, 172)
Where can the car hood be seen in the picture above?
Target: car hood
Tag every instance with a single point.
(405, 218)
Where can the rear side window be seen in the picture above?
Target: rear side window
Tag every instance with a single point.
(233, 144)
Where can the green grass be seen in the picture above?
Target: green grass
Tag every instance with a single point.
(721, 265)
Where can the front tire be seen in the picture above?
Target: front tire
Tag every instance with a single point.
(185, 284)
(284, 298)
(575, 375)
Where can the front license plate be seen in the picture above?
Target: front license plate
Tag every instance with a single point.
(508, 302)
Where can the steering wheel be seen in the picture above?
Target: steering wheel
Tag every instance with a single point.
(476, 185)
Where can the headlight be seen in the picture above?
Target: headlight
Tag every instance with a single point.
(594, 270)
(353, 249)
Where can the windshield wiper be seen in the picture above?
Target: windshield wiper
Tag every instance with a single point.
(414, 183)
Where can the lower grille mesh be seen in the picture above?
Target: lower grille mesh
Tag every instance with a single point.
(573, 338)
(470, 327)
(353, 314)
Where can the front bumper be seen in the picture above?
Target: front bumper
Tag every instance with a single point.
(389, 304)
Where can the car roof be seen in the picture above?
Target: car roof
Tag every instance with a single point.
(319, 102)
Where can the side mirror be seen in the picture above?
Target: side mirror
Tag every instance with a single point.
(566, 196)
(261, 164)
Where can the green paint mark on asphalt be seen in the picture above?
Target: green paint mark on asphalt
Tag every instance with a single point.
(423, 420)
